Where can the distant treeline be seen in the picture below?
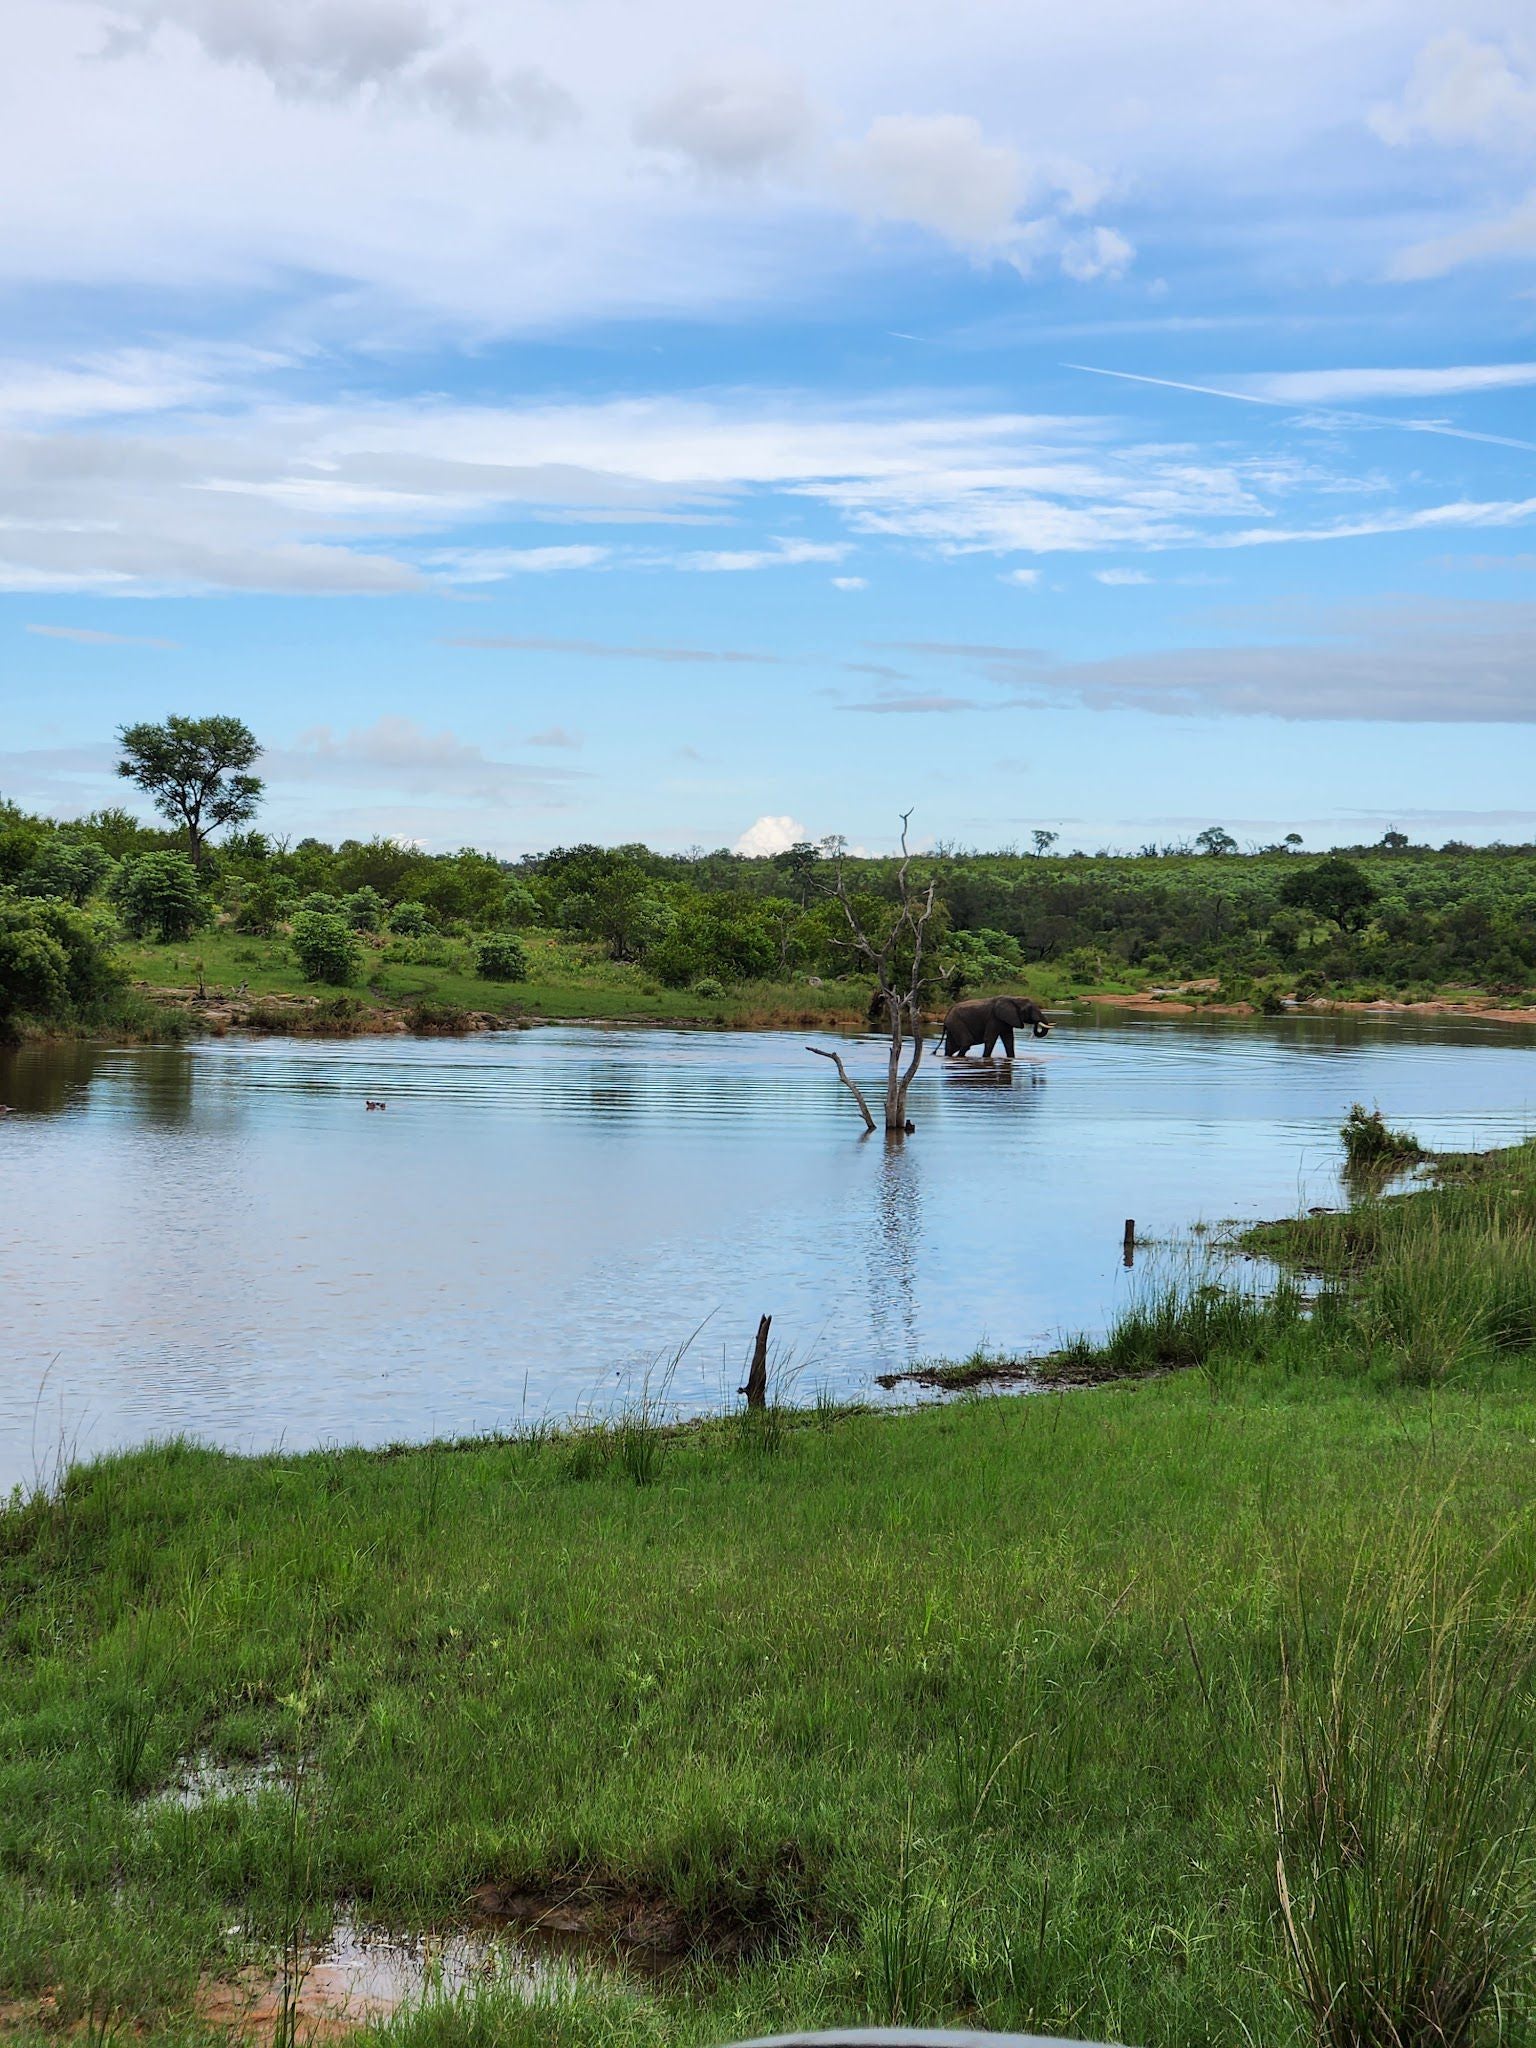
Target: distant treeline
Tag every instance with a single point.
(1394, 917)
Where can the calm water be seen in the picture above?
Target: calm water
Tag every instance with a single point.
(219, 1239)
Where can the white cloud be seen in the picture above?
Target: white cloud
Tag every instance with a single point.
(850, 583)
(1120, 578)
(769, 835)
(1461, 92)
(555, 736)
(366, 497)
(1328, 387)
(1101, 252)
(734, 123)
(1024, 579)
(491, 565)
(783, 553)
(940, 172)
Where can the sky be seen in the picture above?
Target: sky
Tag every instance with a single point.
(722, 424)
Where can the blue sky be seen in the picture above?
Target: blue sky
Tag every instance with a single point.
(722, 424)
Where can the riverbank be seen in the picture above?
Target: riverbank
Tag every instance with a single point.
(976, 1713)
(224, 981)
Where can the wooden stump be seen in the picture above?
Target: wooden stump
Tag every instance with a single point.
(756, 1389)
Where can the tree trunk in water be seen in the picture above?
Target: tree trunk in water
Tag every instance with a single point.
(896, 1082)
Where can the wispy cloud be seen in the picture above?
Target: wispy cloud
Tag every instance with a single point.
(88, 636)
(782, 554)
(493, 565)
(1359, 420)
(397, 755)
(602, 650)
(1409, 663)
(915, 701)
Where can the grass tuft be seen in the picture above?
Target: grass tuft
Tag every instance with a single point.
(1404, 1806)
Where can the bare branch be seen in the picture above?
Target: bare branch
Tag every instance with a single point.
(847, 1080)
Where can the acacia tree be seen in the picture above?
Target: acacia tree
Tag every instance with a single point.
(895, 957)
(1335, 888)
(196, 771)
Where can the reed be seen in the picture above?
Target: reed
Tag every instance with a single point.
(1404, 1806)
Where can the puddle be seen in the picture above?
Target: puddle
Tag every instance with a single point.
(203, 1781)
(363, 1974)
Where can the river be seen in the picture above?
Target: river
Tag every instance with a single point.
(219, 1239)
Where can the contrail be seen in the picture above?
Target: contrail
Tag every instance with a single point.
(1322, 413)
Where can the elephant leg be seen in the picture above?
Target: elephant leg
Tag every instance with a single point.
(1007, 1037)
(990, 1042)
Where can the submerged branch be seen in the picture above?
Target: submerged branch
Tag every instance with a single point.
(847, 1080)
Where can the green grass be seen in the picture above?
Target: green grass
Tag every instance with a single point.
(566, 981)
(995, 1713)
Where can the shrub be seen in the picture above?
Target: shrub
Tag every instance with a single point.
(501, 956)
(264, 906)
(1368, 1141)
(70, 869)
(158, 896)
(319, 903)
(325, 947)
(54, 961)
(409, 921)
(432, 950)
(519, 906)
(708, 986)
(363, 909)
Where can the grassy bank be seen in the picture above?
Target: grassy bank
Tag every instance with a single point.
(566, 980)
(256, 983)
(982, 1712)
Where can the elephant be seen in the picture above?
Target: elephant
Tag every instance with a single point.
(990, 1018)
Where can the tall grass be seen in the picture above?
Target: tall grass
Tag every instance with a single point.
(1447, 1293)
(1191, 1321)
(1404, 1806)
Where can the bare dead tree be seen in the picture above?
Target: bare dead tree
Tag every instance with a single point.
(896, 961)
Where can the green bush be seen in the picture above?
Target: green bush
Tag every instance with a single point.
(709, 987)
(1370, 1142)
(432, 950)
(55, 962)
(264, 906)
(519, 906)
(158, 896)
(501, 956)
(325, 947)
(409, 920)
(70, 869)
(363, 909)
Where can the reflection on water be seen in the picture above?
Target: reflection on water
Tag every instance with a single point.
(218, 1239)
